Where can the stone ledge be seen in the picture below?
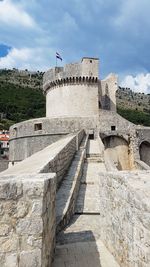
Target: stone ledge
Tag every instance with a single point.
(27, 214)
(65, 206)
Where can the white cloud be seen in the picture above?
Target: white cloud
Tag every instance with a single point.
(28, 58)
(139, 83)
(13, 14)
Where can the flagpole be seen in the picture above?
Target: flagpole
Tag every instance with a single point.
(56, 61)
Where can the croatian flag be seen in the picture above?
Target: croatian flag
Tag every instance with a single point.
(58, 56)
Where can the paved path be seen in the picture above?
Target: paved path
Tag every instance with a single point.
(84, 254)
(79, 244)
(88, 198)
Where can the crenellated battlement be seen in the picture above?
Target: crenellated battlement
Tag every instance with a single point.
(70, 80)
(85, 71)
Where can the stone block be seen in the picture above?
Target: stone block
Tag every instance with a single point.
(30, 258)
(10, 190)
(27, 234)
(11, 260)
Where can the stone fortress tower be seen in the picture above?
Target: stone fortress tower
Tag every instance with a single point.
(76, 90)
(88, 182)
(76, 98)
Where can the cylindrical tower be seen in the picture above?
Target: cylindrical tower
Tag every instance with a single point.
(72, 90)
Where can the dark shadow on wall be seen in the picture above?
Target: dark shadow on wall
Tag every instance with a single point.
(144, 151)
(117, 150)
(104, 98)
(107, 103)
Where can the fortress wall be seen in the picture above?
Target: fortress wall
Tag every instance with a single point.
(54, 158)
(25, 141)
(72, 100)
(27, 204)
(109, 118)
(109, 88)
(52, 126)
(27, 214)
(125, 220)
(22, 148)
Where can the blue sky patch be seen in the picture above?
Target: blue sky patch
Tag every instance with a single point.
(4, 50)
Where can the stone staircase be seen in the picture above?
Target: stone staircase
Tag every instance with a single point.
(88, 197)
(79, 245)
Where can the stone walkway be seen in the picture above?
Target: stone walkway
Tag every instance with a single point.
(79, 244)
(88, 198)
(84, 254)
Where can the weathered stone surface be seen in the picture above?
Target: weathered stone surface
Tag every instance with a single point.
(22, 209)
(11, 260)
(125, 220)
(4, 229)
(10, 190)
(24, 222)
(9, 243)
(30, 258)
(29, 225)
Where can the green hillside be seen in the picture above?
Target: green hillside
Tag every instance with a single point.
(19, 103)
(21, 98)
(135, 116)
(133, 106)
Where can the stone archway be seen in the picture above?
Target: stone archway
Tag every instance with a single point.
(117, 152)
(144, 151)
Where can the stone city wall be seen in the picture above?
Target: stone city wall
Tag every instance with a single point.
(113, 119)
(27, 204)
(21, 148)
(109, 87)
(125, 216)
(27, 220)
(54, 158)
(25, 141)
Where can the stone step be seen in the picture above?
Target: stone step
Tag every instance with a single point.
(92, 155)
(94, 159)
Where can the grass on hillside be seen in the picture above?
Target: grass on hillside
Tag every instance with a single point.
(20, 104)
(135, 116)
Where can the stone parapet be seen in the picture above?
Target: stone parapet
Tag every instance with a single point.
(49, 85)
(25, 141)
(54, 158)
(27, 220)
(125, 221)
(74, 72)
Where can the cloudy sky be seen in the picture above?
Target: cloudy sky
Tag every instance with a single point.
(116, 31)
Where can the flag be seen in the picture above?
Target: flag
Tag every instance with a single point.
(58, 56)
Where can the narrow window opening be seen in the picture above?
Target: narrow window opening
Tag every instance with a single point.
(113, 128)
(37, 126)
(91, 136)
(99, 104)
(90, 61)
